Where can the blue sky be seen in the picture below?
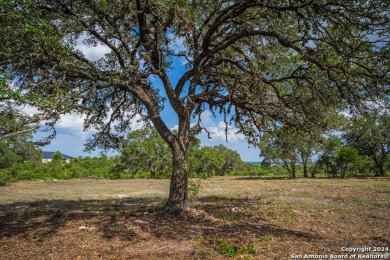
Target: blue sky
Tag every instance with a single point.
(71, 136)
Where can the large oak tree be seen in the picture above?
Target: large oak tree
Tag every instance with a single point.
(257, 62)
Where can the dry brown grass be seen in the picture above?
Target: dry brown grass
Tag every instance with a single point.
(256, 218)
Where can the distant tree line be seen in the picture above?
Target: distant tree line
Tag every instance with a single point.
(358, 146)
(143, 155)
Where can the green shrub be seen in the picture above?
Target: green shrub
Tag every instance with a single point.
(142, 175)
(194, 188)
(113, 175)
(223, 247)
(249, 249)
(5, 177)
(257, 170)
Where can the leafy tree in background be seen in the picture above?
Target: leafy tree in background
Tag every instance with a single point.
(306, 146)
(256, 62)
(205, 161)
(278, 148)
(145, 150)
(370, 135)
(348, 159)
(387, 163)
(288, 148)
(8, 158)
(92, 166)
(217, 160)
(326, 154)
(18, 148)
(57, 156)
(230, 160)
(335, 159)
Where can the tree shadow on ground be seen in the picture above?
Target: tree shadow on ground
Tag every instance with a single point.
(135, 219)
(279, 178)
(46, 217)
(286, 178)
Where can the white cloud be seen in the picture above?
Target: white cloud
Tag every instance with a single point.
(137, 123)
(207, 118)
(92, 53)
(71, 121)
(218, 131)
(175, 127)
(235, 141)
(71, 136)
(72, 124)
(28, 110)
(177, 44)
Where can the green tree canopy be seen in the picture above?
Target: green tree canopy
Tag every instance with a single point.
(370, 135)
(281, 147)
(217, 160)
(16, 148)
(145, 150)
(347, 158)
(57, 156)
(326, 154)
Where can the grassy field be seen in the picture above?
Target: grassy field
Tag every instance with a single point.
(241, 218)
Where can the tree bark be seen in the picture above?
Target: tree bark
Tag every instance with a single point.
(293, 172)
(178, 191)
(380, 163)
(305, 173)
(381, 169)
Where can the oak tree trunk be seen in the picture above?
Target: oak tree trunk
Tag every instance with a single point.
(293, 173)
(179, 144)
(178, 191)
(305, 172)
(381, 171)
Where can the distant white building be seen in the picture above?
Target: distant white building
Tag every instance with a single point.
(48, 157)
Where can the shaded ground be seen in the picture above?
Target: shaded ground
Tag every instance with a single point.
(240, 217)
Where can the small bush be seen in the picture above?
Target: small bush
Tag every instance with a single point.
(5, 177)
(266, 238)
(250, 249)
(142, 175)
(194, 188)
(113, 175)
(223, 247)
(257, 170)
